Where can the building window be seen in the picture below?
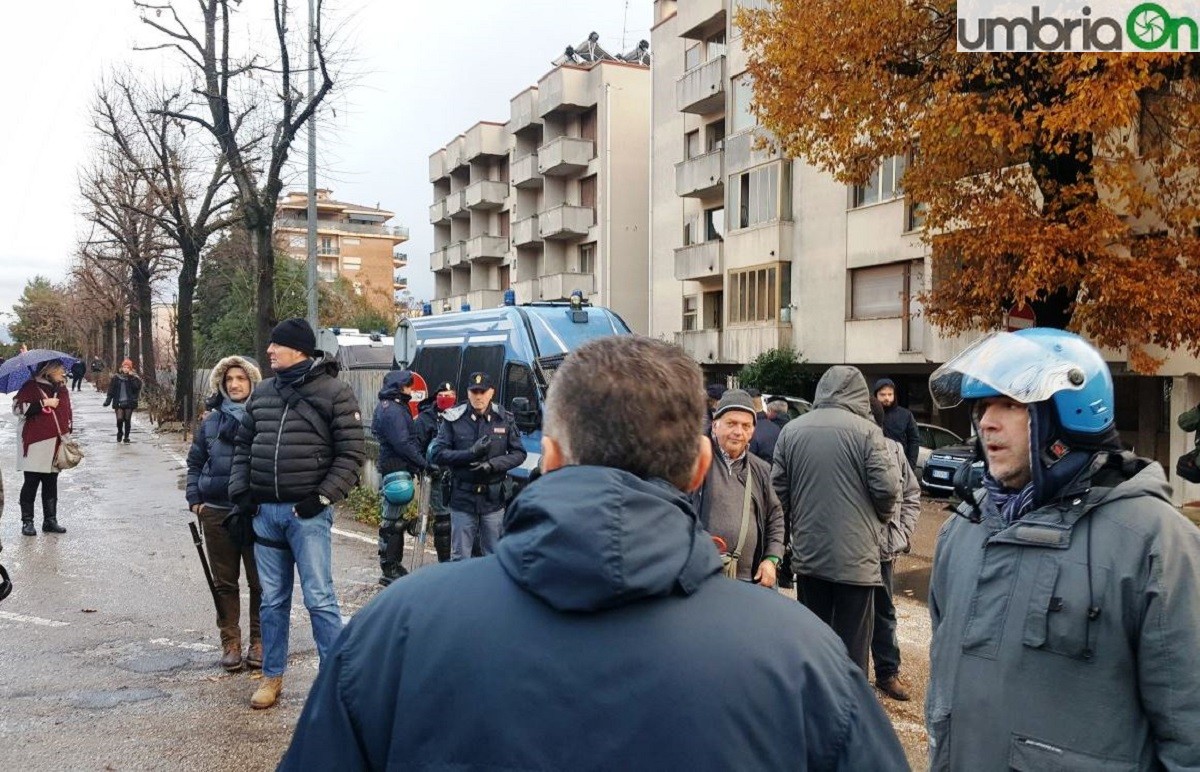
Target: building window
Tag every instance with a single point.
(740, 117)
(691, 144)
(713, 303)
(715, 46)
(888, 291)
(326, 246)
(351, 263)
(756, 294)
(885, 184)
(505, 277)
(760, 195)
(587, 194)
(714, 223)
(505, 219)
(714, 135)
(691, 313)
(587, 124)
(693, 57)
(914, 216)
(587, 257)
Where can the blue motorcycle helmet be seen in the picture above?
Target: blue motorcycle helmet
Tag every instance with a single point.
(398, 488)
(1029, 366)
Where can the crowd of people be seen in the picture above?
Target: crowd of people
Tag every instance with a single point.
(624, 614)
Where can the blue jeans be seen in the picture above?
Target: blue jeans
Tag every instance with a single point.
(464, 526)
(309, 551)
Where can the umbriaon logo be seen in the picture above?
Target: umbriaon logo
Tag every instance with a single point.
(1053, 25)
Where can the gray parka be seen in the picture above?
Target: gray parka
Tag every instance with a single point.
(837, 481)
(895, 536)
(1022, 676)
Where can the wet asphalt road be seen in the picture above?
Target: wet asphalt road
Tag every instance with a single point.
(108, 643)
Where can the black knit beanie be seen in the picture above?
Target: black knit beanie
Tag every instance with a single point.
(296, 333)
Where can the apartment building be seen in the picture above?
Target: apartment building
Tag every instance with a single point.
(554, 200)
(751, 251)
(353, 241)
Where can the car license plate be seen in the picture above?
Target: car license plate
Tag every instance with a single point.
(941, 474)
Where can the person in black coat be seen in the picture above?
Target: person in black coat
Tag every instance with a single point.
(123, 392)
(399, 451)
(479, 442)
(209, 462)
(601, 635)
(297, 452)
(898, 422)
(78, 370)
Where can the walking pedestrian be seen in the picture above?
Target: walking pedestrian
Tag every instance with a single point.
(43, 407)
(209, 463)
(899, 424)
(429, 421)
(123, 392)
(766, 427)
(601, 633)
(78, 370)
(298, 451)
(1065, 595)
(399, 451)
(479, 442)
(894, 540)
(838, 483)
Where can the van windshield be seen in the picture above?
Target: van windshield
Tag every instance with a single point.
(555, 333)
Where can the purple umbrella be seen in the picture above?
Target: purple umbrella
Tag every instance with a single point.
(16, 371)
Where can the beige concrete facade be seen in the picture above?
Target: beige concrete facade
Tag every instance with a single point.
(554, 200)
(750, 251)
(353, 241)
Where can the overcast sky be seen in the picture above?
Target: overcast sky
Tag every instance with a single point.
(426, 70)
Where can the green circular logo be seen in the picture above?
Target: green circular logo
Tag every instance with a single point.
(1149, 25)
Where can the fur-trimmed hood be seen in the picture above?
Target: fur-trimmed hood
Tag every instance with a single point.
(216, 379)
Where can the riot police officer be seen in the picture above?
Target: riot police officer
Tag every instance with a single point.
(479, 442)
(428, 421)
(399, 451)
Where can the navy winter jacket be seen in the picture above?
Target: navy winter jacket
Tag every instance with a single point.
(472, 490)
(393, 426)
(766, 434)
(210, 459)
(600, 635)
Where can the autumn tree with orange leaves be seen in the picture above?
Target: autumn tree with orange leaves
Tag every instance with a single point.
(1067, 182)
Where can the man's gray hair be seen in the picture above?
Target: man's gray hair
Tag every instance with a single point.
(778, 406)
(631, 403)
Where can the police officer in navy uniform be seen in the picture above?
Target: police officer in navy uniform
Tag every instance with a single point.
(479, 442)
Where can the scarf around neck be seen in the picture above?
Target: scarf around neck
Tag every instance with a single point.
(292, 375)
(1012, 505)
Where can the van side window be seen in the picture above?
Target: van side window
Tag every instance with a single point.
(438, 364)
(518, 382)
(486, 359)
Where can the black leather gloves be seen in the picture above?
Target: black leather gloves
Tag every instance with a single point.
(311, 506)
(481, 447)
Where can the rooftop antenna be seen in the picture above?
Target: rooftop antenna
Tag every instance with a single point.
(625, 25)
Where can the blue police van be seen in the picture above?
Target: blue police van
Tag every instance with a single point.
(518, 345)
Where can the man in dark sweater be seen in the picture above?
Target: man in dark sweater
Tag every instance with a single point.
(898, 422)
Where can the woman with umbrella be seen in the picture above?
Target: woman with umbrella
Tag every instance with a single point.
(44, 405)
(123, 393)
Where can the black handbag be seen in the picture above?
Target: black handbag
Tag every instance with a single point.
(239, 524)
(1186, 467)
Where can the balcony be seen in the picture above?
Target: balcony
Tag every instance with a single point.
(437, 166)
(456, 205)
(486, 195)
(699, 19)
(437, 260)
(329, 251)
(564, 89)
(455, 254)
(485, 298)
(399, 282)
(566, 222)
(487, 249)
(437, 213)
(702, 345)
(526, 291)
(525, 232)
(701, 90)
(743, 343)
(525, 173)
(701, 176)
(454, 154)
(400, 261)
(700, 261)
(523, 112)
(559, 286)
(565, 156)
(333, 226)
(484, 140)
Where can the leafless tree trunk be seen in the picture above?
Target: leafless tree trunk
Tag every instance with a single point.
(255, 145)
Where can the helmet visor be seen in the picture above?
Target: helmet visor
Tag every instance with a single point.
(1006, 364)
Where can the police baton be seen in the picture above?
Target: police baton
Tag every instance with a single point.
(204, 562)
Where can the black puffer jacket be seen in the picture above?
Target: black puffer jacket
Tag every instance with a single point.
(280, 456)
(133, 390)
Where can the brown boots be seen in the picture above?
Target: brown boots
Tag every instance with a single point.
(254, 655)
(232, 659)
(267, 693)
